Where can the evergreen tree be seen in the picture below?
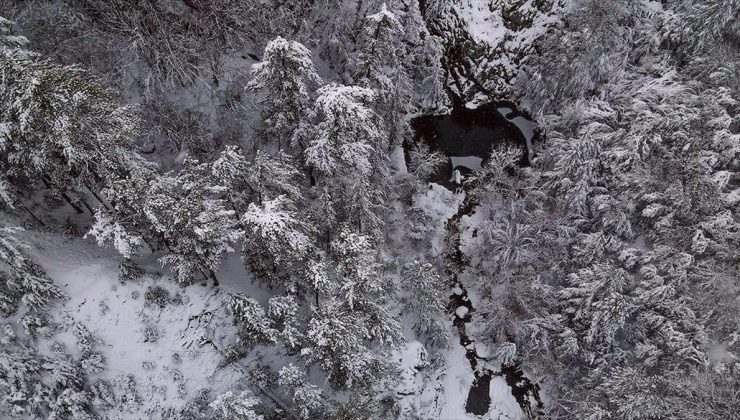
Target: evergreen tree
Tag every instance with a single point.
(108, 230)
(709, 23)
(422, 57)
(256, 327)
(191, 216)
(335, 340)
(349, 153)
(427, 298)
(286, 79)
(347, 136)
(270, 176)
(37, 385)
(60, 128)
(262, 179)
(21, 279)
(307, 397)
(380, 68)
(277, 239)
(237, 407)
(283, 310)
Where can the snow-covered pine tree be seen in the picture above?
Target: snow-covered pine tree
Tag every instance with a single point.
(308, 398)
(271, 176)
(38, 385)
(380, 67)
(193, 220)
(347, 135)
(231, 170)
(59, 128)
(255, 325)
(363, 286)
(336, 341)
(277, 241)
(106, 229)
(427, 299)
(18, 370)
(579, 64)
(421, 56)
(286, 80)
(349, 152)
(708, 24)
(351, 328)
(576, 154)
(259, 180)
(284, 311)
(238, 407)
(21, 279)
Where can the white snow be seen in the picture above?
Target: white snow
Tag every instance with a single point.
(454, 390)
(524, 125)
(503, 404)
(457, 177)
(441, 204)
(471, 162)
(461, 311)
(454, 387)
(483, 24)
(482, 351)
(116, 313)
(398, 162)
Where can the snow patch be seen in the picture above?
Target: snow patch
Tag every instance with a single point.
(503, 404)
(483, 24)
(482, 351)
(524, 125)
(162, 347)
(471, 162)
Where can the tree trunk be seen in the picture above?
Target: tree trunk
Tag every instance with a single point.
(97, 197)
(74, 206)
(33, 215)
(90, 209)
(213, 276)
(64, 195)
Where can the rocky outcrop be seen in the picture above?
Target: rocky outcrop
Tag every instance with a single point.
(486, 43)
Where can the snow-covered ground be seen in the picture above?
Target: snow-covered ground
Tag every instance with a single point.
(484, 24)
(172, 351)
(503, 37)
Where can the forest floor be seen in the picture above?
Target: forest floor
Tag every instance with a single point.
(168, 338)
(171, 339)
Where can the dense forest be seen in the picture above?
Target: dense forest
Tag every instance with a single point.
(357, 209)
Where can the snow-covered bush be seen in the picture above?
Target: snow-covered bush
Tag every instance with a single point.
(238, 407)
(427, 299)
(306, 397)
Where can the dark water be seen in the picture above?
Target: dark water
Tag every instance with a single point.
(468, 136)
(524, 391)
(479, 397)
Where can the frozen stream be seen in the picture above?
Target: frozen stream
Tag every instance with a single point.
(478, 400)
(467, 137)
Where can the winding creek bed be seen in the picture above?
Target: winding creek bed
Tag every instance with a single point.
(467, 137)
(478, 401)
